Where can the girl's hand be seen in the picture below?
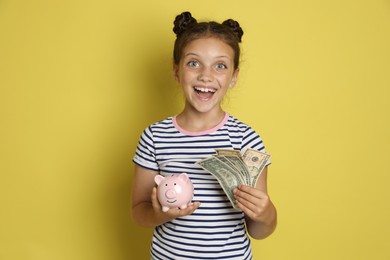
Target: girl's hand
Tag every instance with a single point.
(255, 203)
(173, 212)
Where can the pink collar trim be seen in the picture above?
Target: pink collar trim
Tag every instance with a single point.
(205, 132)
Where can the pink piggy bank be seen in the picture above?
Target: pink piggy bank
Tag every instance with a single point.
(174, 191)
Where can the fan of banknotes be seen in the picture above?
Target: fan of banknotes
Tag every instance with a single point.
(231, 168)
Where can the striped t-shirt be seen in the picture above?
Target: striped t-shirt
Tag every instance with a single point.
(215, 230)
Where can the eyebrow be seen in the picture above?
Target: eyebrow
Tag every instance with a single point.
(190, 53)
(218, 57)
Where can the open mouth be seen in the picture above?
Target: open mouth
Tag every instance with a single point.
(205, 93)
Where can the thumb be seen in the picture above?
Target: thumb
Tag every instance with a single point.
(154, 199)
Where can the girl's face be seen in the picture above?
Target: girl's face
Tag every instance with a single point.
(205, 72)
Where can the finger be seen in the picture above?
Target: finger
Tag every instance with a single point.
(190, 209)
(177, 212)
(252, 199)
(246, 205)
(256, 210)
(153, 197)
(248, 211)
(251, 191)
(241, 205)
(251, 196)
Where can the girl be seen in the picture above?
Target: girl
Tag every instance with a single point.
(206, 65)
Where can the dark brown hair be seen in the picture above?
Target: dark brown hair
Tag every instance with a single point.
(188, 29)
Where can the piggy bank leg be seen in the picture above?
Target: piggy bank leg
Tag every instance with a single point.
(183, 206)
(165, 209)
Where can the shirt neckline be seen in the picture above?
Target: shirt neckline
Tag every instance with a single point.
(205, 132)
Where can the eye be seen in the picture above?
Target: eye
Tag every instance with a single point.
(193, 64)
(221, 66)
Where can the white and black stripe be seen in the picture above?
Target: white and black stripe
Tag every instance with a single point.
(215, 230)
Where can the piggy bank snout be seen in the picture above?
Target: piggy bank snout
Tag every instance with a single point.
(170, 194)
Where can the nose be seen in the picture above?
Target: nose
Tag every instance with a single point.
(205, 74)
(170, 194)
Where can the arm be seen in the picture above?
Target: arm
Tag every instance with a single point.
(145, 206)
(260, 213)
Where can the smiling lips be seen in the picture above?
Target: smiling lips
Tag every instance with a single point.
(204, 93)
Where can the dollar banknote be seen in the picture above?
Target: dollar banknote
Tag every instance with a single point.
(235, 170)
(224, 174)
(255, 162)
(238, 164)
(231, 168)
(227, 152)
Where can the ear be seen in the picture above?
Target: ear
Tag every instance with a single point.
(234, 78)
(158, 179)
(176, 72)
(184, 177)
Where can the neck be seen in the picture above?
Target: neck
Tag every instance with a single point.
(194, 121)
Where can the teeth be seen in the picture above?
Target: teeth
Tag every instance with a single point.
(205, 90)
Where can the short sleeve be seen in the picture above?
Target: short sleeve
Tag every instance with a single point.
(251, 139)
(145, 155)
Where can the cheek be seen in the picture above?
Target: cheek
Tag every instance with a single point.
(187, 79)
(178, 189)
(224, 80)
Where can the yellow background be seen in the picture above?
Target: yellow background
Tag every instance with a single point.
(80, 80)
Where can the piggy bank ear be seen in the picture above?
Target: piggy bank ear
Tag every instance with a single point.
(184, 177)
(158, 179)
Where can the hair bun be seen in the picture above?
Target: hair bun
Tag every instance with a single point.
(182, 22)
(235, 27)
